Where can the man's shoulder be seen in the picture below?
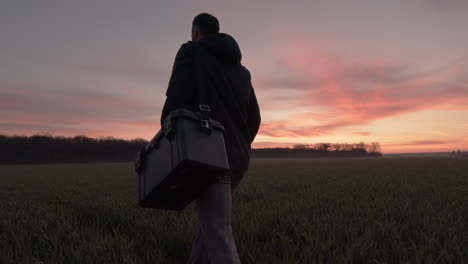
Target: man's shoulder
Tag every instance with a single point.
(186, 52)
(188, 47)
(188, 44)
(246, 71)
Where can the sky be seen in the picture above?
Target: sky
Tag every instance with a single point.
(393, 72)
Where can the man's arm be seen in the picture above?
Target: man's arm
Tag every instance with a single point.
(254, 117)
(181, 88)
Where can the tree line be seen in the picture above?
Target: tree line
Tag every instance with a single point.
(320, 150)
(459, 154)
(60, 149)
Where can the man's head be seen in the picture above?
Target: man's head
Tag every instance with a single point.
(204, 24)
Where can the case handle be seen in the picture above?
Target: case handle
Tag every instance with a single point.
(205, 121)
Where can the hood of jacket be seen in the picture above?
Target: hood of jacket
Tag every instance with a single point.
(222, 46)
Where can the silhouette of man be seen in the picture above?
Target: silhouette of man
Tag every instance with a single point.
(214, 59)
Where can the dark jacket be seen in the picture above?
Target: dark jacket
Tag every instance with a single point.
(232, 98)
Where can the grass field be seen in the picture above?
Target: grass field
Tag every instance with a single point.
(399, 210)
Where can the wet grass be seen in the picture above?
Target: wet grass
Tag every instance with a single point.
(399, 210)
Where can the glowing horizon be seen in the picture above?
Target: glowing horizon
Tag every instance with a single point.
(366, 71)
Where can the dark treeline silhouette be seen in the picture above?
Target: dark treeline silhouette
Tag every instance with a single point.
(48, 149)
(459, 154)
(321, 150)
(59, 149)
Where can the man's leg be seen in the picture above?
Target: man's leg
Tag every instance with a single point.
(214, 235)
(198, 254)
(236, 178)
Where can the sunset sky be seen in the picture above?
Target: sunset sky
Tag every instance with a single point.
(395, 72)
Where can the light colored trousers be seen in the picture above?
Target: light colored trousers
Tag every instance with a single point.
(214, 242)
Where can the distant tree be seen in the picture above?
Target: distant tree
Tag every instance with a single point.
(301, 146)
(375, 147)
(347, 147)
(361, 146)
(324, 147)
(336, 147)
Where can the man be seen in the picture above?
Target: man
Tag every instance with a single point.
(214, 59)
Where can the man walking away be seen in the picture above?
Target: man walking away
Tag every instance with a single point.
(214, 59)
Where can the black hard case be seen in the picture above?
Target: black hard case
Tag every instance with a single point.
(171, 171)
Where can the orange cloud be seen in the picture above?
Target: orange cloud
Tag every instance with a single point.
(361, 133)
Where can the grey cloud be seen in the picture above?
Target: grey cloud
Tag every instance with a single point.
(75, 106)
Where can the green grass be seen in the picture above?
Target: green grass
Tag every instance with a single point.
(401, 210)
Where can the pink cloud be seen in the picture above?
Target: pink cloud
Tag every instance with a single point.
(351, 93)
